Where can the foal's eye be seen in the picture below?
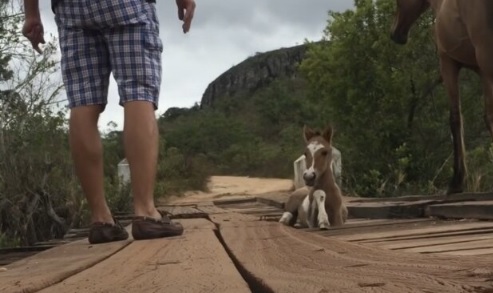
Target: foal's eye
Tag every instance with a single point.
(325, 153)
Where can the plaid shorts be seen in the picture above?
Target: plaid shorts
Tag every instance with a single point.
(106, 36)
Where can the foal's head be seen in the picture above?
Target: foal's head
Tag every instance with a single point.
(318, 153)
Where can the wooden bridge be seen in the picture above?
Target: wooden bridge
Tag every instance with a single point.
(233, 243)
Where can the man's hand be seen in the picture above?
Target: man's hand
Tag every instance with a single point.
(34, 32)
(186, 9)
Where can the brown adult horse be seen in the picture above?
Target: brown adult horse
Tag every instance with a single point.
(463, 34)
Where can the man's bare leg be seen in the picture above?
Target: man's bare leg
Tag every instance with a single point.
(141, 149)
(87, 154)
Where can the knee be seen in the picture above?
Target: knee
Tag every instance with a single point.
(319, 196)
(84, 134)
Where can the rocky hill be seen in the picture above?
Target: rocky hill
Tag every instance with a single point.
(254, 73)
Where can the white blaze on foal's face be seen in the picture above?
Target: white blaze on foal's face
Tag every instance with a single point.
(318, 153)
(317, 157)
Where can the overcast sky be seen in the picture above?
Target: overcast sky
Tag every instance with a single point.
(223, 34)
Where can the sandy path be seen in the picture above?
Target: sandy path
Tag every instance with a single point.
(233, 187)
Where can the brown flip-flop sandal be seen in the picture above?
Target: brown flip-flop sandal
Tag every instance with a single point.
(150, 228)
(106, 232)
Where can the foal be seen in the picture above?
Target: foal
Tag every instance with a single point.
(324, 199)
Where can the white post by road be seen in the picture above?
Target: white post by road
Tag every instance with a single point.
(124, 172)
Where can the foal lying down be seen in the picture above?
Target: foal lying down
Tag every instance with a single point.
(319, 204)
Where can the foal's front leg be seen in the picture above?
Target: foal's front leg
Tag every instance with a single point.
(311, 214)
(319, 198)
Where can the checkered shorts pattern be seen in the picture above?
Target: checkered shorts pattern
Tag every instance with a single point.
(107, 36)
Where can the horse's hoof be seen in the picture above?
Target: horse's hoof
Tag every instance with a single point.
(324, 226)
(286, 218)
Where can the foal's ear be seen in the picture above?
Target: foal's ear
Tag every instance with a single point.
(308, 133)
(328, 133)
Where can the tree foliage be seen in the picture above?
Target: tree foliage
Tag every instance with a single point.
(37, 194)
(386, 100)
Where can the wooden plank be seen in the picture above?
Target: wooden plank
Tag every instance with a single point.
(478, 244)
(390, 210)
(194, 262)
(444, 228)
(256, 210)
(182, 212)
(463, 210)
(391, 225)
(211, 209)
(471, 252)
(409, 198)
(439, 236)
(273, 202)
(54, 265)
(458, 197)
(426, 242)
(234, 201)
(8, 258)
(354, 227)
(275, 256)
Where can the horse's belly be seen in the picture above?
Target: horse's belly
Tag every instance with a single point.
(453, 39)
(463, 51)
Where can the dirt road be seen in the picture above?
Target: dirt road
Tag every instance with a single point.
(234, 187)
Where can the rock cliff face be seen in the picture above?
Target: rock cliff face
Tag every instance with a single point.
(255, 72)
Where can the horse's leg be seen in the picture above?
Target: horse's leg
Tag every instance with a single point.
(288, 218)
(488, 102)
(336, 217)
(312, 213)
(484, 59)
(304, 213)
(450, 74)
(323, 220)
(344, 213)
(291, 209)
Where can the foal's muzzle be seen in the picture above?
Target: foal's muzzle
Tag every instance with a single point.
(309, 178)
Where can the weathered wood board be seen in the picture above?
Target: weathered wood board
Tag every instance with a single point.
(54, 265)
(462, 210)
(182, 212)
(193, 262)
(210, 208)
(456, 206)
(416, 230)
(388, 210)
(469, 237)
(276, 256)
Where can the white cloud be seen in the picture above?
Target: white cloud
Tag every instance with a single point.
(223, 34)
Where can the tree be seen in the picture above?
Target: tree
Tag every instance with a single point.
(35, 169)
(386, 100)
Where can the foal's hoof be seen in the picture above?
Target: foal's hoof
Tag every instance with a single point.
(286, 218)
(324, 226)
